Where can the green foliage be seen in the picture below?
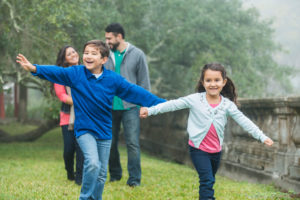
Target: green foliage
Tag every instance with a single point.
(36, 171)
(178, 37)
(51, 108)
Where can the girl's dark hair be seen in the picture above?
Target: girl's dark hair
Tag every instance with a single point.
(61, 56)
(229, 88)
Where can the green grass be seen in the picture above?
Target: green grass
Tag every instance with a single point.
(30, 171)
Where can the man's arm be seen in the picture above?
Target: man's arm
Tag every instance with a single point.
(142, 78)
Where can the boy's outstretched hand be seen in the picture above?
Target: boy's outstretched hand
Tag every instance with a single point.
(22, 60)
(268, 142)
(143, 112)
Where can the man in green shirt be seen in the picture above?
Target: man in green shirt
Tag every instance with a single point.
(130, 62)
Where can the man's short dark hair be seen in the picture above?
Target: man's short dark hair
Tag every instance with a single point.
(116, 29)
(102, 46)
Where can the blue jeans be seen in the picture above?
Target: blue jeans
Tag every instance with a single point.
(96, 155)
(70, 147)
(131, 124)
(206, 165)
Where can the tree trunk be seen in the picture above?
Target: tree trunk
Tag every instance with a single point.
(16, 101)
(2, 107)
(22, 117)
(30, 135)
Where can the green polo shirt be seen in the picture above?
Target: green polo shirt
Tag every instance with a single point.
(117, 102)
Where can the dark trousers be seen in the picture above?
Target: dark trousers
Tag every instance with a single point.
(131, 124)
(206, 165)
(70, 147)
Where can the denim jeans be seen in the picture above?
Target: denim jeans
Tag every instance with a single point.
(70, 147)
(131, 125)
(206, 165)
(96, 155)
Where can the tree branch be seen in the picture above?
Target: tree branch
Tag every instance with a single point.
(30, 135)
(11, 13)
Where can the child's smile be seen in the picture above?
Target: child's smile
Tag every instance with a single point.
(92, 59)
(213, 83)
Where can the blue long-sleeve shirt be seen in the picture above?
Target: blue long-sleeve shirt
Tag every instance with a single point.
(92, 97)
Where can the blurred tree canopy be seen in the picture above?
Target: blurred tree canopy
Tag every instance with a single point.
(177, 36)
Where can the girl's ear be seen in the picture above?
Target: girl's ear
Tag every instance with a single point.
(224, 82)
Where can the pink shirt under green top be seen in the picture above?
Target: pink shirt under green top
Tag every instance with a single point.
(210, 143)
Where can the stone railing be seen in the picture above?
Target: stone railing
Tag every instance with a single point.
(243, 157)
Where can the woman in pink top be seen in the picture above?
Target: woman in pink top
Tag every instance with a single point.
(67, 56)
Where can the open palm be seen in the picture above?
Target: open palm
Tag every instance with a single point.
(22, 60)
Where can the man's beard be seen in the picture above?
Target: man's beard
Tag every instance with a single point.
(115, 46)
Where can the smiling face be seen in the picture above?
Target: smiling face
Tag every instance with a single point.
(113, 40)
(71, 57)
(213, 83)
(92, 59)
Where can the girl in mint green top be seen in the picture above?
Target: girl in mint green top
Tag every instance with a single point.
(214, 87)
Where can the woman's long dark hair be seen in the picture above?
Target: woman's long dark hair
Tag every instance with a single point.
(61, 56)
(229, 88)
(61, 61)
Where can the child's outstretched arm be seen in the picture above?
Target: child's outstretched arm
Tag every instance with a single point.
(268, 142)
(22, 60)
(60, 75)
(143, 112)
(135, 94)
(248, 125)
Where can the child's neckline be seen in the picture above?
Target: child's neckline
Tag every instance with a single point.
(213, 103)
(208, 104)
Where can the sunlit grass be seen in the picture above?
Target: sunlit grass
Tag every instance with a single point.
(30, 171)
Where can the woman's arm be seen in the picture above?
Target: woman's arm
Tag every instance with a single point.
(62, 95)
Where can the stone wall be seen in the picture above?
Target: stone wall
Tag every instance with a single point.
(243, 158)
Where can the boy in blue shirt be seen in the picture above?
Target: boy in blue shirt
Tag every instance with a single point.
(93, 88)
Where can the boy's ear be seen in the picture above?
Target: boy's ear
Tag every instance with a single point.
(104, 59)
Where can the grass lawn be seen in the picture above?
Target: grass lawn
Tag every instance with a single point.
(35, 171)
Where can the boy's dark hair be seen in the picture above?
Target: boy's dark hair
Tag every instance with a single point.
(116, 29)
(229, 88)
(100, 45)
(61, 56)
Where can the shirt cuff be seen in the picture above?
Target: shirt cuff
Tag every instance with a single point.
(263, 138)
(150, 111)
(36, 72)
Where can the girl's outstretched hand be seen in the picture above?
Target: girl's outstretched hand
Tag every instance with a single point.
(22, 60)
(143, 112)
(268, 142)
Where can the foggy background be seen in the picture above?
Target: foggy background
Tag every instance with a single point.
(178, 38)
(286, 17)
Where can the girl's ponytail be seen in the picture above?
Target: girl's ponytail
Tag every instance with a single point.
(229, 91)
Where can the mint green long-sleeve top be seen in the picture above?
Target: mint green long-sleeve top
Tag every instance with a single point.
(202, 115)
